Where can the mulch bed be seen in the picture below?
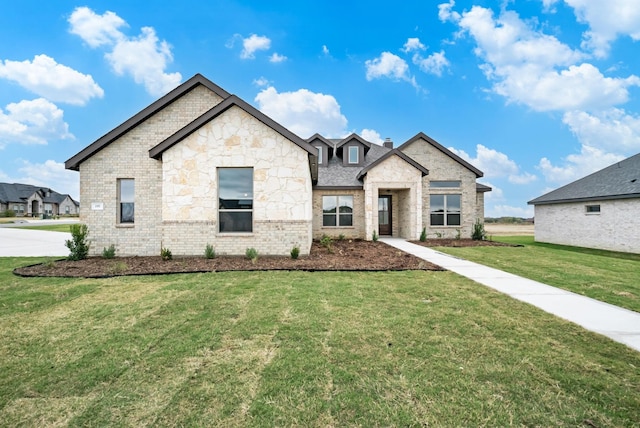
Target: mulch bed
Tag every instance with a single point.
(346, 255)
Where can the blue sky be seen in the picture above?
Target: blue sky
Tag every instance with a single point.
(535, 93)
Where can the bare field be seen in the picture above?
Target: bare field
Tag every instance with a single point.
(509, 229)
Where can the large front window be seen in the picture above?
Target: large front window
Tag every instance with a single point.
(445, 210)
(235, 196)
(126, 205)
(337, 211)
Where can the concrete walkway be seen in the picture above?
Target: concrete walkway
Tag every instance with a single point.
(621, 325)
(32, 243)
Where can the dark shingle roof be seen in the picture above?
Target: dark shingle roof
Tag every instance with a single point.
(19, 193)
(335, 174)
(618, 181)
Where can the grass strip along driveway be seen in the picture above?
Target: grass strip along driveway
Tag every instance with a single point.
(407, 348)
(607, 276)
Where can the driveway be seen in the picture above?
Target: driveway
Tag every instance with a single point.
(27, 243)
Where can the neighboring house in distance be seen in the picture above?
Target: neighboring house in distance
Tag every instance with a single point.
(601, 210)
(201, 166)
(26, 200)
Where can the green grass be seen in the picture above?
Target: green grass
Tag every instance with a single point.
(299, 349)
(49, 227)
(608, 276)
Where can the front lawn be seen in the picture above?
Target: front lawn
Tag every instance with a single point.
(608, 276)
(50, 227)
(407, 348)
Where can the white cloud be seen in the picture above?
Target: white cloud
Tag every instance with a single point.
(32, 122)
(574, 166)
(535, 69)
(51, 174)
(145, 57)
(303, 112)
(390, 66)
(325, 50)
(56, 82)
(372, 136)
(548, 5)
(413, 44)
(495, 164)
(607, 20)
(252, 44)
(433, 64)
(261, 81)
(96, 30)
(276, 57)
(612, 129)
(445, 12)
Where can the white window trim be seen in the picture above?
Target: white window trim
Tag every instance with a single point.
(319, 154)
(357, 152)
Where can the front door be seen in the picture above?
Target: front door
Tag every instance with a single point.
(384, 215)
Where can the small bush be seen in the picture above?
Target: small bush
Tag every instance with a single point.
(295, 252)
(109, 253)
(165, 253)
(209, 252)
(7, 213)
(341, 237)
(478, 234)
(374, 236)
(251, 254)
(458, 234)
(78, 244)
(423, 234)
(327, 243)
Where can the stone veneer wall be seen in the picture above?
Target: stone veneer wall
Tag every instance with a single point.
(616, 227)
(357, 231)
(442, 167)
(282, 207)
(128, 157)
(394, 173)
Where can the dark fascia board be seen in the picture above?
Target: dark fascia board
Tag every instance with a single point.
(75, 161)
(338, 187)
(356, 137)
(590, 199)
(390, 153)
(231, 101)
(443, 149)
(320, 138)
(482, 188)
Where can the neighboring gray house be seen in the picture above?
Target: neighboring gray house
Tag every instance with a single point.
(201, 166)
(26, 200)
(601, 210)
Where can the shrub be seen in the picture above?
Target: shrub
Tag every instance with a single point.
(423, 234)
(165, 253)
(252, 254)
(78, 244)
(209, 252)
(295, 252)
(8, 213)
(109, 253)
(374, 236)
(341, 237)
(478, 234)
(458, 233)
(327, 243)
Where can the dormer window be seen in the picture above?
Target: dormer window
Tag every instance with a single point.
(353, 155)
(319, 154)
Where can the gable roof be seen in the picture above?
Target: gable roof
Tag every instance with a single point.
(348, 139)
(618, 181)
(75, 161)
(387, 155)
(434, 143)
(18, 192)
(482, 188)
(231, 101)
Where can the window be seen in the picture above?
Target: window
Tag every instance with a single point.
(126, 193)
(319, 154)
(353, 154)
(592, 209)
(67, 210)
(337, 211)
(445, 210)
(235, 196)
(444, 184)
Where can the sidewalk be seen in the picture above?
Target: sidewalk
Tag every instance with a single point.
(619, 324)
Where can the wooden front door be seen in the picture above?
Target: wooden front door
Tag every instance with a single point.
(384, 215)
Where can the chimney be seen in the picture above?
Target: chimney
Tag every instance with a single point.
(388, 143)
